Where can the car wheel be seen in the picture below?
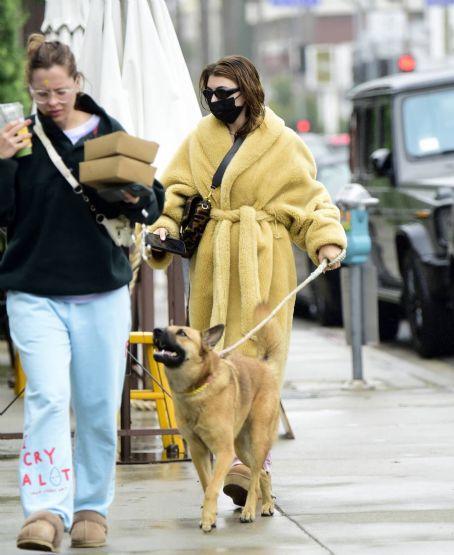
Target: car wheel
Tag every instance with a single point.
(428, 319)
(389, 316)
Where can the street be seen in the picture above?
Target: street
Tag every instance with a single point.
(368, 473)
(402, 347)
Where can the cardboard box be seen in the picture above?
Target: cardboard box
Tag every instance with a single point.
(115, 169)
(120, 143)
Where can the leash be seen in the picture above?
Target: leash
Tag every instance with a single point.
(134, 360)
(320, 269)
(11, 402)
(164, 390)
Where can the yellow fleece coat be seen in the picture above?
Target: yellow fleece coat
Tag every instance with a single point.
(268, 198)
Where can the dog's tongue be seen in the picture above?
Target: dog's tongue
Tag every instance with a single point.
(167, 353)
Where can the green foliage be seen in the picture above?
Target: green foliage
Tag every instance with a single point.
(292, 103)
(312, 112)
(12, 54)
(344, 125)
(282, 99)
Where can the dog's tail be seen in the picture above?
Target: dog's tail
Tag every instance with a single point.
(269, 338)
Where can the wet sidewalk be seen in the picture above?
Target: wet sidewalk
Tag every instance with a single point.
(371, 472)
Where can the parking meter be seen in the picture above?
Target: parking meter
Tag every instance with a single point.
(353, 201)
(358, 281)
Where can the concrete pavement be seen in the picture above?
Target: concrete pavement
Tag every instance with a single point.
(371, 472)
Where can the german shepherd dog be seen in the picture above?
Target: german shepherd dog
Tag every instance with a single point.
(224, 406)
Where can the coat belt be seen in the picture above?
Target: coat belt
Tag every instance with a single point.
(249, 274)
(235, 215)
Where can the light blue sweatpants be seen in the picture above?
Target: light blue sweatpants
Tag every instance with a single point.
(71, 353)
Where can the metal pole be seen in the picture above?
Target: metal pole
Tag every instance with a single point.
(176, 298)
(356, 320)
(125, 417)
(205, 38)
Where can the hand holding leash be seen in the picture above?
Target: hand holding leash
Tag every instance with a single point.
(330, 253)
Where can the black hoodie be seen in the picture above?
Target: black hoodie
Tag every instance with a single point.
(55, 246)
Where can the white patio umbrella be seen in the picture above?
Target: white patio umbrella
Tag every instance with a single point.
(133, 65)
(64, 20)
(101, 58)
(135, 69)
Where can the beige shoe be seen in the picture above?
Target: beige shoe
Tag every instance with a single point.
(42, 531)
(236, 484)
(89, 529)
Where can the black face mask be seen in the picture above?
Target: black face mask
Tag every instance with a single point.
(225, 110)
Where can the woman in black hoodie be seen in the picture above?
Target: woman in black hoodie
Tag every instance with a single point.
(68, 306)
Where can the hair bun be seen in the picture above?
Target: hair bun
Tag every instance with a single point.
(34, 42)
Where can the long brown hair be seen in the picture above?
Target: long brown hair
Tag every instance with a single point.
(42, 54)
(243, 72)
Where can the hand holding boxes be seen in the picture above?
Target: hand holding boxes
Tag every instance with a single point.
(118, 163)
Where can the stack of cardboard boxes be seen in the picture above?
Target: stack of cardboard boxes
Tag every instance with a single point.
(118, 163)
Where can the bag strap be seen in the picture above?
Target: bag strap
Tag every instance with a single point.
(219, 174)
(55, 157)
(65, 171)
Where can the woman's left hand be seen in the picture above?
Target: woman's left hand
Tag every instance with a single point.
(131, 199)
(330, 252)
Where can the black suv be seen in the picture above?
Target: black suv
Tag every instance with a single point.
(402, 151)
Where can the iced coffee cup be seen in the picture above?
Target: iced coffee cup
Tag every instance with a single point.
(14, 111)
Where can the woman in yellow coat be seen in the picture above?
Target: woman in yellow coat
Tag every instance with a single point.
(268, 198)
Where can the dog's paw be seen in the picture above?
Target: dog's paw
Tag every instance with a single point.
(247, 515)
(207, 526)
(267, 509)
(208, 516)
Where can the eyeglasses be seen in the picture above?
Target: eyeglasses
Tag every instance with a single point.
(220, 92)
(43, 96)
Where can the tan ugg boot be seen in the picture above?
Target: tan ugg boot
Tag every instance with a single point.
(89, 529)
(42, 531)
(236, 484)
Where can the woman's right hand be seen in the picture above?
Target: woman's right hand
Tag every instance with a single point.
(10, 139)
(162, 232)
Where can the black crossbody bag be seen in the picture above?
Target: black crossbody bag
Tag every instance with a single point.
(196, 214)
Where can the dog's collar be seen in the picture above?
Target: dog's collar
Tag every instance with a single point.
(199, 388)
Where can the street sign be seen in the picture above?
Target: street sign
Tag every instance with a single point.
(295, 3)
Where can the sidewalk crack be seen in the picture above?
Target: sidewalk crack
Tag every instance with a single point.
(311, 536)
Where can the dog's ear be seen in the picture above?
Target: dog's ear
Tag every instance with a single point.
(211, 336)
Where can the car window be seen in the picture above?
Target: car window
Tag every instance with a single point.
(370, 129)
(370, 144)
(384, 125)
(428, 123)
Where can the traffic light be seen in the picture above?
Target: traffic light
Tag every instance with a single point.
(406, 63)
(303, 126)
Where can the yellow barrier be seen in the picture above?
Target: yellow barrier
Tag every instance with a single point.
(19, 382)
(164, 403)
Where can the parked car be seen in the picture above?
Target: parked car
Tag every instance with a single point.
(402, 152)
(323, 146)
(317, 144)
(321, 299)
